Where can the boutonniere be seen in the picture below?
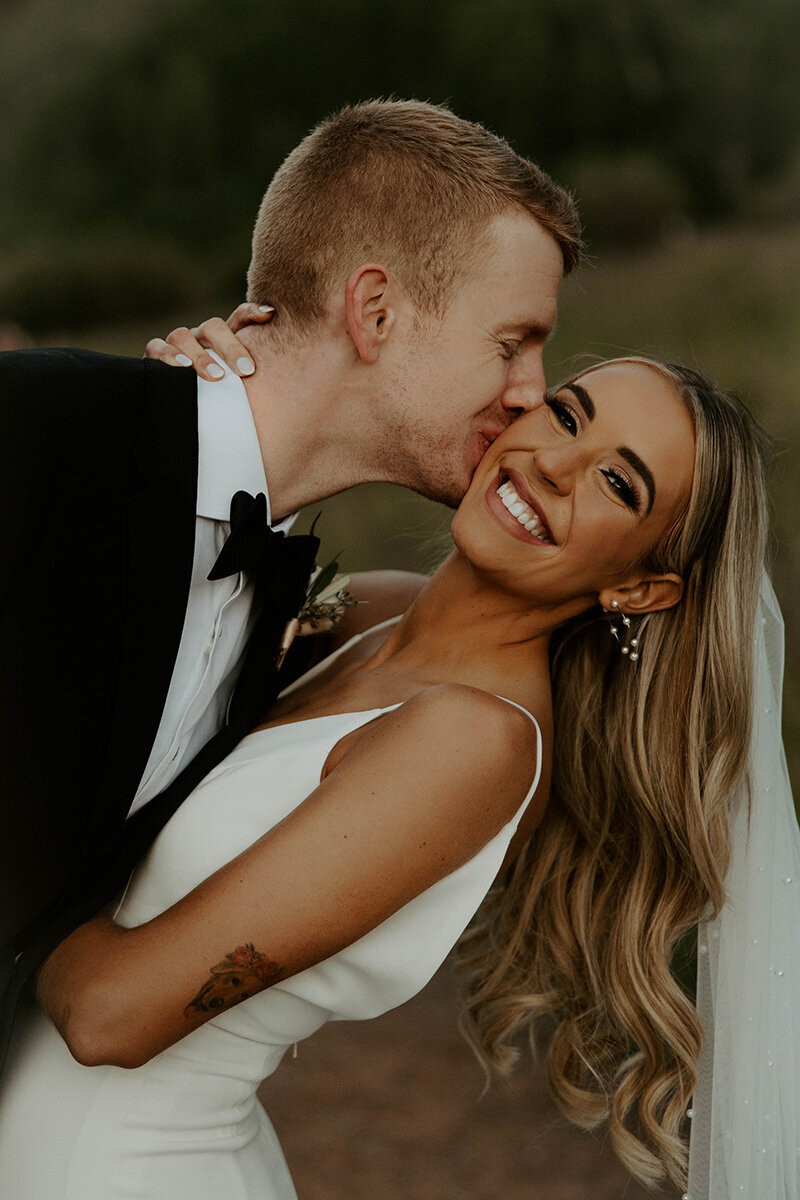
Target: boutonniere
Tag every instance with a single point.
(326, 601)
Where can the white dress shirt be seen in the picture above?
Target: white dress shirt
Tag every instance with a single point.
(218, 614)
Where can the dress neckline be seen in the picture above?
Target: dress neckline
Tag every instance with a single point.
(356, 712)
(317, 669)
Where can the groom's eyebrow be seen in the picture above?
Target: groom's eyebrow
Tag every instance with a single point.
(527, 327)
(538, 330)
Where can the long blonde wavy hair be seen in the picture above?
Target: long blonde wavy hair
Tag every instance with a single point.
(575, 946)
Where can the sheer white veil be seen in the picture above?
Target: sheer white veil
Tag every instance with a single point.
(745, 1128)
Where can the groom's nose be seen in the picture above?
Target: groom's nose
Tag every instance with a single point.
(526, 386)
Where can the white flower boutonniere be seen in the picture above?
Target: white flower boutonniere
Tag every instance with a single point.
(326, 601)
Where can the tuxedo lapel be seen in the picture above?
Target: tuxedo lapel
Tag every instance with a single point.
(161, 531)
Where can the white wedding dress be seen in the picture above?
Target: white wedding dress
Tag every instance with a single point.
(187, 1125)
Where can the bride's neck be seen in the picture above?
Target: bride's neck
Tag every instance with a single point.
(462, 628)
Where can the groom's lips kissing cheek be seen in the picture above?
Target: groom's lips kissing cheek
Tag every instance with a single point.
(514, 506)
(485, 437)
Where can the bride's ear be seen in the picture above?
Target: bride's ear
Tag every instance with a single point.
(651, 593)
(369, 309)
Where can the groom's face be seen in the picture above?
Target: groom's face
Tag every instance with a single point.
(465, 381)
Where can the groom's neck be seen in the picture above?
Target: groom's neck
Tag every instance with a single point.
(314, 424)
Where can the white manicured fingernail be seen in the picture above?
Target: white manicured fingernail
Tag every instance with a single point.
(265, 308)
(183, 360)
(215, 371)
(244, 366)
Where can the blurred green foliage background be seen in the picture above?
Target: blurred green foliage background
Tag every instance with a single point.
(138, 138)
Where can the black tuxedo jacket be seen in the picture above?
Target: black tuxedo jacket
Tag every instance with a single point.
(98, 481)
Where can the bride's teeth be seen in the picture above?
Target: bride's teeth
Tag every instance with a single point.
(515, 505)
(519, 509)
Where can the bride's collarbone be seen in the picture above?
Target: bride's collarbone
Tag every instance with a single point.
(347, 687)
(343, 689)
(343, 696)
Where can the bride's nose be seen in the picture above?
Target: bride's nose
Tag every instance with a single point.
(555, 467)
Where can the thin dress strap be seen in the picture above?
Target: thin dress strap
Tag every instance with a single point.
(538, 774)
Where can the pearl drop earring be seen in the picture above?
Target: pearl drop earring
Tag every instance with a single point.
(628, 647)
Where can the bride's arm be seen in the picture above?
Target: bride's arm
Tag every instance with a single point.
(419, 793)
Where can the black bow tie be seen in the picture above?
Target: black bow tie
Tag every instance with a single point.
(279, 565)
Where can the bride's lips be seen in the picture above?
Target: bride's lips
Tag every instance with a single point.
(507, 519)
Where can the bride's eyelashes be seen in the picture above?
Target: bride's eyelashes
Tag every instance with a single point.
(568, 418)
(625, 488)
(565, 414)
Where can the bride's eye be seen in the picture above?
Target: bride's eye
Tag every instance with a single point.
(624, 488)
(565, 415)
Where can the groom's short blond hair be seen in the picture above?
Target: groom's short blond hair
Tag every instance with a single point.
(403, 183)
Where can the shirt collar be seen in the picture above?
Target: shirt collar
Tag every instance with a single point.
(229, 456)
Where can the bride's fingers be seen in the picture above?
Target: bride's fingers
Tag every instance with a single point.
(220, 336)
(215, 334)
(182, 345)
(158, 348)
(249, 314)
(189, 347)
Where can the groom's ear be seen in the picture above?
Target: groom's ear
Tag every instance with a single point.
(370, 309)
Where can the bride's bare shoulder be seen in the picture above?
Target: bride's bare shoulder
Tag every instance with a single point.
(384, 594)
(453, 747)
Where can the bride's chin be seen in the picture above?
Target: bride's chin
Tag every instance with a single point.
(463, 536)
(475, 548)
(478, 538)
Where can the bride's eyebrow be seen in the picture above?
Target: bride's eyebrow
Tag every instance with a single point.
(643, 471)
(582, 396)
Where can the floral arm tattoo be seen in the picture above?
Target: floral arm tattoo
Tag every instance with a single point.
(240, 974)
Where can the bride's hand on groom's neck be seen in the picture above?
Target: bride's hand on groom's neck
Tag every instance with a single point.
(190, 347)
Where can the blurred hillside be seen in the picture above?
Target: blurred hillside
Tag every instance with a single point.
(137, 138)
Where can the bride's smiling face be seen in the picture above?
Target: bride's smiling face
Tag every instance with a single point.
(573, 494)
